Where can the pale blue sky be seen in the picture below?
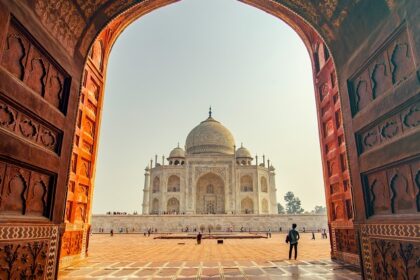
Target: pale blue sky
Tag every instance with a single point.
(166, 69)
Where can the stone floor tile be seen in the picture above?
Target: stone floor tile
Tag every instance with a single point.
(249, 271)
(167, 272)
(231, 271)
(124, 272)
(103, 272)
(146, 272)
(189, 272)
(210, 272)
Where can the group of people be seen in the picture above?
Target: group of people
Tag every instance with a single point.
(116, 213)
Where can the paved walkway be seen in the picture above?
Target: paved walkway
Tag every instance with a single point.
(130, 256)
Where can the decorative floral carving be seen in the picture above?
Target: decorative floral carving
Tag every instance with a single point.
(48, 139)
(71, 243)
(412, 117)
(6, 116)
(370, 139)
(28, 128)
(199, 170)
(395, 260)
(390, 129)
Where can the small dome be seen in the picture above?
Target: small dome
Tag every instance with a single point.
(243, 152)
(177, 153)
(210, 136)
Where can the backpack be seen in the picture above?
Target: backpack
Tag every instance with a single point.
(287, 239)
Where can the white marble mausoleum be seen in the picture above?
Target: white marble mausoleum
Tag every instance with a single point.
(210, 176)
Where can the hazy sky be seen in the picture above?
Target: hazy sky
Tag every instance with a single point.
(169, 66)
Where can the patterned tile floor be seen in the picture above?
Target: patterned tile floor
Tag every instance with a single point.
(136, 257)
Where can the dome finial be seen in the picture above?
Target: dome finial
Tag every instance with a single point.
(210, 112)
(178, 145)
(242, 145)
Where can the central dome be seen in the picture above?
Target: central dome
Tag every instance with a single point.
(210, 136)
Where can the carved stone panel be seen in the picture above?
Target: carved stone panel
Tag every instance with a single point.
(24, 191)
(399, 124)
(28, 252)
(391, 251)
(393, 64)
(71, 243)
(24, 58)
(345, 240)
(14, 120)
(393, 190)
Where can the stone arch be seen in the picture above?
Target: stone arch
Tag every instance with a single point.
(247, 184)
(264, 206)
(264, 184)
(172, 206)
(156, 185)
(210, 194)
(155, 206)
(306, 19)
(247, 206)
(174, 184)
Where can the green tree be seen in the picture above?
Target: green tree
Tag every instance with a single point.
(280, 208)
(319, 209)
(293, 204)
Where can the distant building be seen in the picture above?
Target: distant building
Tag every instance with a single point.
(210, 176)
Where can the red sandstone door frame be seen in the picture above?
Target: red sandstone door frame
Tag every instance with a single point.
(333, 149)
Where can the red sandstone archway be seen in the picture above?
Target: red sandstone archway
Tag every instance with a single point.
(49, 128)
(326, 90)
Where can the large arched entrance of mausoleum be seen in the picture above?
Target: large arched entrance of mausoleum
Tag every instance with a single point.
(210, 194)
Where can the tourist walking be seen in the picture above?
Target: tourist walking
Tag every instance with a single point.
(313, 235)
(293, 238)
(199, 236)
(112, 232)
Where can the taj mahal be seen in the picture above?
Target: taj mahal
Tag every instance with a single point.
(211, 176)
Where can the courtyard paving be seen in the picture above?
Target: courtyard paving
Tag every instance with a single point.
(131, 256)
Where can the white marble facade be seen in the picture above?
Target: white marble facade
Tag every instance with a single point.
(210, 176)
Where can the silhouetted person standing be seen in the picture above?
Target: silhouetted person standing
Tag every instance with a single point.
(293, 239)
(313, 236)
(199, 236)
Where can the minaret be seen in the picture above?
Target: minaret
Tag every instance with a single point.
(146, 191)
(272, 190)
